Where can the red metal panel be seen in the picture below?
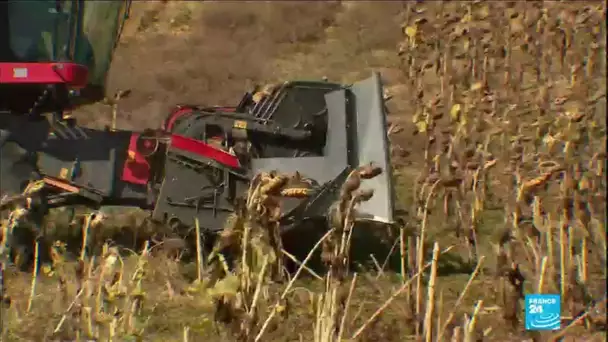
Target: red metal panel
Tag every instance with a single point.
(136, 169)
(202, 149)
(75, 75)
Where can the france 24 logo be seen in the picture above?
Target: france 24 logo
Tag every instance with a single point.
(543, 312)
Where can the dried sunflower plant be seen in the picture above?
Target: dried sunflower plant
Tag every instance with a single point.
(520, 129)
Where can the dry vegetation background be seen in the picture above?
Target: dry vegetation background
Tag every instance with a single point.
(498, 131)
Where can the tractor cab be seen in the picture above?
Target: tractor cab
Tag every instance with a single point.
(38, 41)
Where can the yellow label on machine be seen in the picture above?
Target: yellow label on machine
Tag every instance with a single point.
(240, 124)
(63, 174)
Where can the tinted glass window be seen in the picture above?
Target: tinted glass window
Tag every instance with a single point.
(37, 31)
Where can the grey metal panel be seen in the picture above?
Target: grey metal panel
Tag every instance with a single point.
(125, 190)
(95, 174)
(372, 146)
(4, 134)
(321, 169)
(336, 147)
(94, 152)
(181, 183)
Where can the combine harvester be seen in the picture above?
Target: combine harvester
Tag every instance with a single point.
(201, 161)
